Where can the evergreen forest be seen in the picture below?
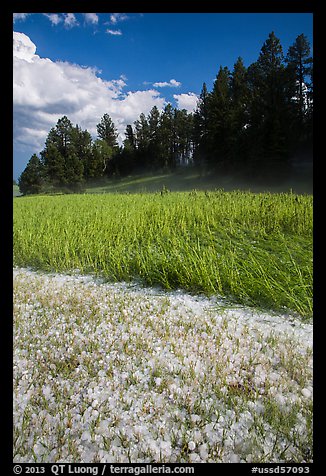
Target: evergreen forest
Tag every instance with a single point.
(253, 122)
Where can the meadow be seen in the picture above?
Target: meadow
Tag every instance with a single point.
(251, 248)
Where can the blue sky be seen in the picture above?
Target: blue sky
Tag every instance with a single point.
(83, 65)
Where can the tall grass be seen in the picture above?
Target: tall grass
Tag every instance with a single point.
(253, 248)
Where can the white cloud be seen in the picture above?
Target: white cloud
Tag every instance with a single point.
(136, 102)
(54, 18)
(186, 101)
(45, 90)
(91, 18)
(171, 84)
(114, 32)
(23, 47)
(117, 17)
(20, 16)
(70, 20)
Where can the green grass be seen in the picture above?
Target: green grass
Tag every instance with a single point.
(255, 249)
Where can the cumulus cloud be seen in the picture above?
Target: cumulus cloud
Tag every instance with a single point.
(23, 47)
(171, 84)
(137, 102)
(114, 32)
(45, 90)
(186, 101)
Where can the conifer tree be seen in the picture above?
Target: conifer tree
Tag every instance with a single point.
(167, 137)
(219, 119)
(200, 127)
(268, 131)
(62, 165)
(142, 139)
(239, 113)
(106, 131)
(154, 145)
(272, 97)
(129, 137)
(299, 68)
(31, 179)
(183, 124)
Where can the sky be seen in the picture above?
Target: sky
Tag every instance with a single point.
(84, 65)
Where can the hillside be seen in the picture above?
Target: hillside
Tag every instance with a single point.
(186, 179)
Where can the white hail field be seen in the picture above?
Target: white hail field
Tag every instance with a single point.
(119, 373)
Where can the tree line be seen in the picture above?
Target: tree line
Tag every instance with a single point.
(252, 121)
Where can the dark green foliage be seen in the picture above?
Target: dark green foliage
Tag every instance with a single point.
(107, 131)
(31, 179)
(255, 119)
(162, 140)
(167, 136)
(239, 114)
(65, 149)
(54, 164)
(183, 126)
(299, 69)
(268, 107)
(68, 159)
(200, 127)
(219, 119)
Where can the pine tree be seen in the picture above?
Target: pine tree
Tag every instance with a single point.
(154, 146)
(200, 127)
(82, 142)
(31, 179)
(128, 154)
(142, 140)
(239, 113)
(74, 170)
(54, 164)
(273, 98)
(106, 131)
(61, 135)
(183, 125)
(129, 137)
(219, 119)
(299, 69)
(62, 165)
(97, 164)
(167, 137)
(269, 119)
(58, 146)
